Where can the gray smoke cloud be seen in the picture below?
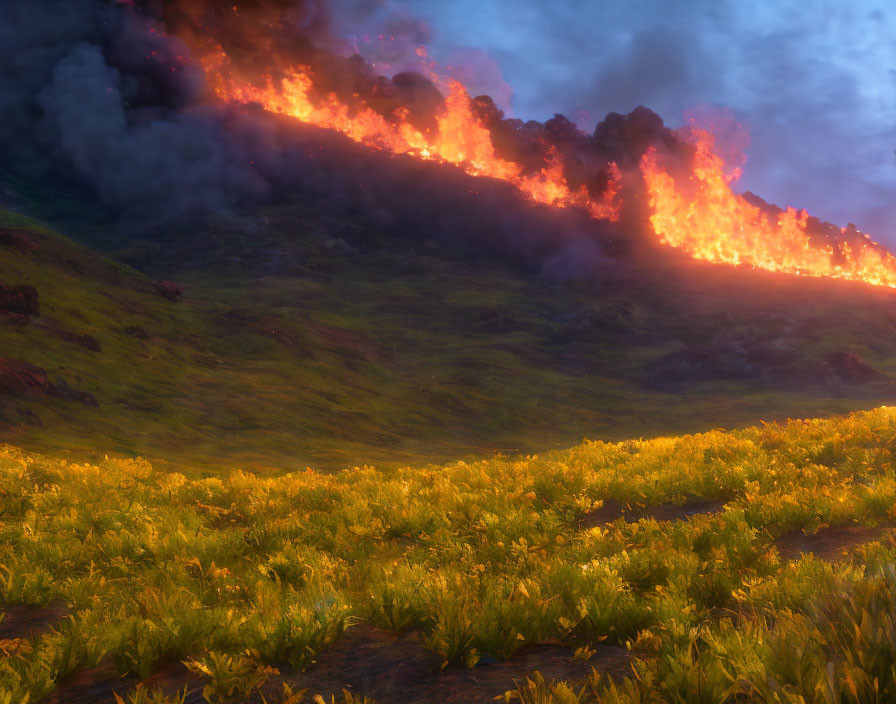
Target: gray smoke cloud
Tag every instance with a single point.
(127, 129)
(137, 166)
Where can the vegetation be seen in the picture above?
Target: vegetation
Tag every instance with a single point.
(241, 574)
(292, 347)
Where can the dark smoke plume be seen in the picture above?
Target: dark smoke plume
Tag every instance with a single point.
(98, 92)
(108, 94)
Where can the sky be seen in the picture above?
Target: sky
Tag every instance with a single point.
(812, 83)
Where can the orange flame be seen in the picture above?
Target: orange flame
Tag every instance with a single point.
(712, 223)
(706, 219)
(460, 139)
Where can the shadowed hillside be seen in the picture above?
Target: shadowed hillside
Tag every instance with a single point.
(300, 339)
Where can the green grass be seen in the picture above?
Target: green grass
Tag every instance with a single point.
(240, 573)
(393, 354)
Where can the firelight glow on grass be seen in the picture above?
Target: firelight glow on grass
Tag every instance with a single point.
(241, 573)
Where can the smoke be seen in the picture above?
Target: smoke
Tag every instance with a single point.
(138, 166)
(103, 93)
(390, 33)
(100, 94)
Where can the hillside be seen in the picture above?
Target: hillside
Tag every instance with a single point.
(304, 340)
(699, 568)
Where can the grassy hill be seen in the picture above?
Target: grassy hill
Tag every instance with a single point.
(700, 568)
(306, 341)
(673, 569)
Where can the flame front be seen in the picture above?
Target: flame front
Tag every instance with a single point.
(709, 221)
(460, 138)
(698, 214)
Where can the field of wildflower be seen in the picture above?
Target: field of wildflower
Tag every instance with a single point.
(246, 583)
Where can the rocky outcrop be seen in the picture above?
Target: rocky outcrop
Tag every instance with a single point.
(19, 239)
(84, 340)
(774, 360)
(61, 389)
(21, 378)
(168, 289)
(18, 378)
(20, 300)
(844, 368)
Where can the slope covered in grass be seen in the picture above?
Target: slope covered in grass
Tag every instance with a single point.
(305, 341)
(482, 562)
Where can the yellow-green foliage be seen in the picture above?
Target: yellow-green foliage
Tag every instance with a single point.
(238, 574)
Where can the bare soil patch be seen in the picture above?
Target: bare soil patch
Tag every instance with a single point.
(98, 685)
(397, 669)
(613, 510)
(831, 542)
(27, 622)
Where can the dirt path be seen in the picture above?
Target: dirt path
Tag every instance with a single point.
(389, 668)
(27, 622)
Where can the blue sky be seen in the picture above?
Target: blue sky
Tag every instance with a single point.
(813, 82)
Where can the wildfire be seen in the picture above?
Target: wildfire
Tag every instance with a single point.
(706, 219)
(699, 213)
(460, 138)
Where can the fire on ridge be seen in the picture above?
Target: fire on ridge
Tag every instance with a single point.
(459, 138)
(695, 211)
(707, 220)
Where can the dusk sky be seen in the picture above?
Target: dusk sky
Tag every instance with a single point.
(812, 82)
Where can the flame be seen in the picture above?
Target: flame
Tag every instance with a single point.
(460, 138)
(707, 220)
(699, 215)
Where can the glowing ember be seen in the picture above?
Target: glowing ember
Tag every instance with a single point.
(459, 139)
(710, 222)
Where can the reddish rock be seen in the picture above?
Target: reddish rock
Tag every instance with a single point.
(851, 367)
(13, 318)
(844, 367)
(169, 289)
(21, 378)
(87, 341)
(136, 331)
(20, 239)
(62, 390)
(18, 377)
(21, 300)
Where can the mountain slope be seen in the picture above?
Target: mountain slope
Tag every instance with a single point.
(301, 340)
